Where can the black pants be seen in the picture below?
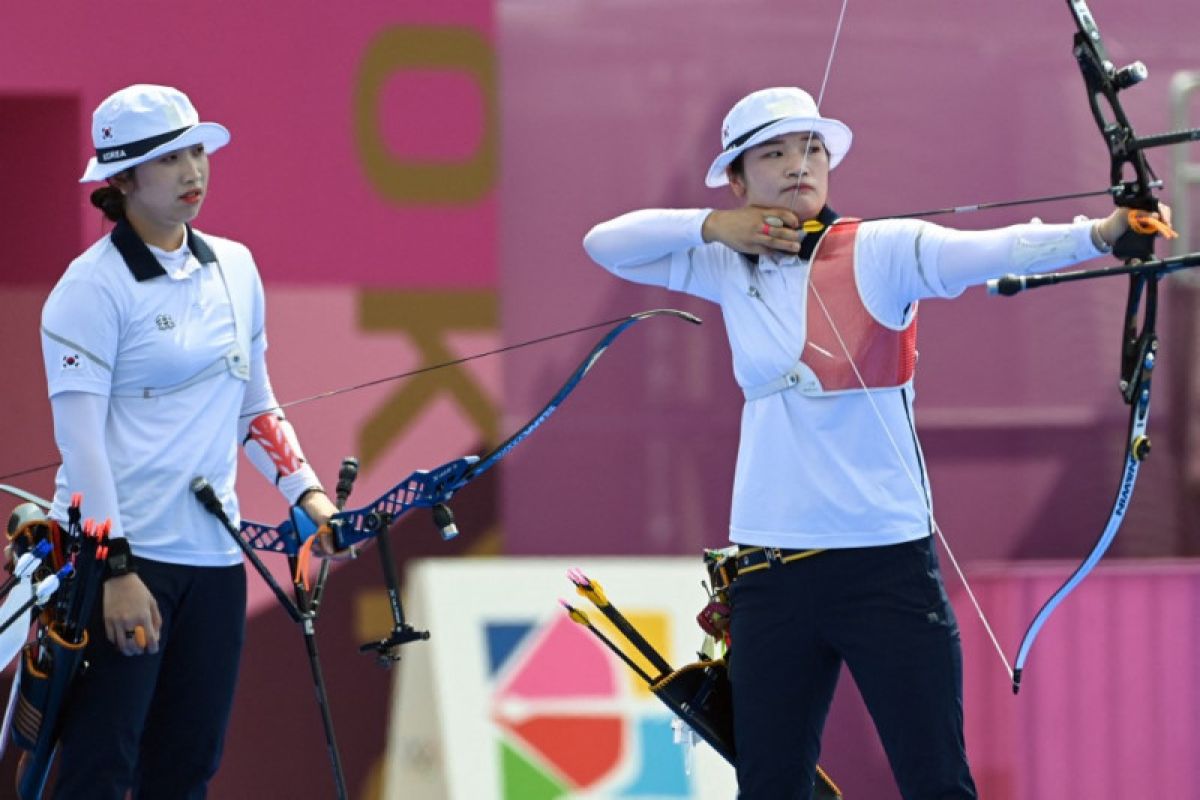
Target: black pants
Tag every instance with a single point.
(156, 723)
(884, 612)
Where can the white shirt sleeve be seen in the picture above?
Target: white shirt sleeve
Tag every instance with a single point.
(902, 261)
(970, 258)
(80, 335)
(79, 419)
(658, 247)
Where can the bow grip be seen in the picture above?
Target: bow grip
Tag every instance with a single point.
(302, 524)
(1134, 245)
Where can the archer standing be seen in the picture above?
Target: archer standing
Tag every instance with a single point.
(154, 346)
(832, 515)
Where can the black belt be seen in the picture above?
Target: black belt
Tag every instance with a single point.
(751, 559)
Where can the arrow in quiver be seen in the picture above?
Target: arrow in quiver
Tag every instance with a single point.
(68, 583)
(699, 693)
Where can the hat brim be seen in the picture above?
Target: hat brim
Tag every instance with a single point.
(835, 134)
(210, 134)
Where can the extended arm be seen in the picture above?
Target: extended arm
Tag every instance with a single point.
(968, 258)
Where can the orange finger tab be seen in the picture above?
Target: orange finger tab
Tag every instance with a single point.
(1141, 222)
(304, 558)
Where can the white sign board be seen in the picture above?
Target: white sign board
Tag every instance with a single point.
(511, 700)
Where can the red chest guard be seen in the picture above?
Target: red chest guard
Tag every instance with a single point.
(885, 357)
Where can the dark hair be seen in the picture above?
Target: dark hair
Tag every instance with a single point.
(738, 165)
(109, 199)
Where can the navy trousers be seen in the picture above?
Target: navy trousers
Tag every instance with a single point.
(155, 724)
(882, 611)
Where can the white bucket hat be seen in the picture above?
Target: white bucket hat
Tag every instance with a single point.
(140, 123)
(768, 113)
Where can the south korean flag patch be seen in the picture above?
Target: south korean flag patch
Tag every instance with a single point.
(72, 361)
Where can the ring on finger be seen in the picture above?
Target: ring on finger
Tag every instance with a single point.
(766, 229)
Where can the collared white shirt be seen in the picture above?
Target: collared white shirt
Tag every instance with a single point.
(835, 471)
(176, 343)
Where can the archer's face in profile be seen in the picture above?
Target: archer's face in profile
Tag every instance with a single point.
(789, 171)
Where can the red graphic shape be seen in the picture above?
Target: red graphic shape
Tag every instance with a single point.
(583, 749)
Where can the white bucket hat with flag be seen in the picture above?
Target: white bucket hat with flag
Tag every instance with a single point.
(141, 122)
(768, 113)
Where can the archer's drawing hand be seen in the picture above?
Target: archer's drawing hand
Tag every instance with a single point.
(754, 230)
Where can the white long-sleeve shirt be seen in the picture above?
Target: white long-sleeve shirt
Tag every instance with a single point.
(834, 471)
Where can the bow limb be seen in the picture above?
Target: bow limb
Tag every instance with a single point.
(1137, 448)
(432, 488)
(28, 497)
(490, 460)
(1139, 355)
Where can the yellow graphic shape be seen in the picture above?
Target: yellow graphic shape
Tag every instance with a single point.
(655, 627)
(426, 47)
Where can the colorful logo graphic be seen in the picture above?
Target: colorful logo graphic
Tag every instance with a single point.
(573, 721)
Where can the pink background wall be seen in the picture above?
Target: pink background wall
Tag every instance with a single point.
(539, 119)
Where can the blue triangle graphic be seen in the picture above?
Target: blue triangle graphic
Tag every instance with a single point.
(502, 640)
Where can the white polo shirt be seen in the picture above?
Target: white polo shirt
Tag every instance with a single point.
(174, 352)
(820, 472)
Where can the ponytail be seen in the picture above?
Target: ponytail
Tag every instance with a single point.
(110, 200)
